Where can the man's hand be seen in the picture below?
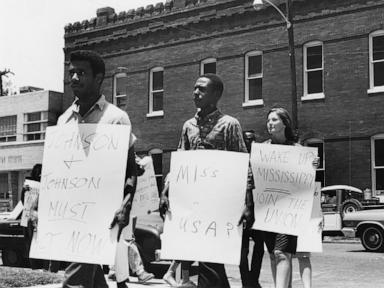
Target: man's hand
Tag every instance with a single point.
(163, 206)
(248, 217)
(121, 218)
(33, 219)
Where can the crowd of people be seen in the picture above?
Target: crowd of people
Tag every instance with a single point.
(209, 128)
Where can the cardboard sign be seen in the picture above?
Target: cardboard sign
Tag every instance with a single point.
(206, 194)
(82, 186)
(284, 183)
(309, 239)
(146, 197)
(30, 200)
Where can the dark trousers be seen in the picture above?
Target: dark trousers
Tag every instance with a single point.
(210, 275)
(250, 277)
(82, 275)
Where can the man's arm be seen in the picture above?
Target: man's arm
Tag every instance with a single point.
(122, 214)
(164, 200)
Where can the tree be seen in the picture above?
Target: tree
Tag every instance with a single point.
(4, 73)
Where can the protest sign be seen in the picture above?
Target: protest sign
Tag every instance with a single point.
(206, 194)
(284, 183)
(146, 197)
(81, 187)
(309, 239)
(30, 200)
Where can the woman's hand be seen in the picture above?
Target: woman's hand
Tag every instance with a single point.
(316, 162)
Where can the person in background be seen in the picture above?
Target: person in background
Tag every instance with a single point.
(28, 231)
(127, 252)
(250, 276)
(211, 129)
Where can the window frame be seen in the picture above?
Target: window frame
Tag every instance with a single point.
(152, 113)
(310, 141)
(372, 88)
(115, 97)
(246, 101)
(13, 136)
(373, 164)
(41, 121)
(306, 95)
(207, 61)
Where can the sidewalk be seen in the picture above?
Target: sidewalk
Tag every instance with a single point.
(134, 283)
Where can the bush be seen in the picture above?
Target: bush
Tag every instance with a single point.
(23, 277)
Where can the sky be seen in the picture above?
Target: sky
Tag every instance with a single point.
(32, 36)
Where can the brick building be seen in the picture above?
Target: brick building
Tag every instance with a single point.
(154, 55)
(23, 120)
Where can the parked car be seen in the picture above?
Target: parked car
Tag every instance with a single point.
(368, 226)
(340, 200)
(14, 249)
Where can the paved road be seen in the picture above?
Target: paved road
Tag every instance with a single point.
(340, 265)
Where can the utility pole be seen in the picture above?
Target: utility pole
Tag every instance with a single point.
(291, 43)
(4, 73)
(288, 18)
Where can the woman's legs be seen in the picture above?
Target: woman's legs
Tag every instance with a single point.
(305, 271)
(281, 264)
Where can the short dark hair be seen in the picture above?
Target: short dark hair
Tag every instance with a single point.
(94, 59)
(216, 82)
(290, 132)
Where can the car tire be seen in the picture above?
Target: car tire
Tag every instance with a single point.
(350, 206)
(372, 238)
(12, 258)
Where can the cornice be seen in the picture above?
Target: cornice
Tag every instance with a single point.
(181, 19)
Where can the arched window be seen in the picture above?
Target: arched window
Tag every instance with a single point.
(208, 66)
(253, 78)
(313, 78)
(377, 159)
(156, 92)
(376, 61)
(120, 90)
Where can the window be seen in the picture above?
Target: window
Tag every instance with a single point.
(35, 125)
(8, 128)
(4, 186)
(253, 78)
(157, 158)
(156, 92)
(119, 90)
(378, 164)
(313, 71)
(208, 66)
(320, 172)
(376, 62)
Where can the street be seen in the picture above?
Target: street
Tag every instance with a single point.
(342, 264)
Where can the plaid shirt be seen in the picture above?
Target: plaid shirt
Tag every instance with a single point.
(215, 131)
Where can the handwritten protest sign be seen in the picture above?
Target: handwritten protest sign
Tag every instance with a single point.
(207, 194)
(81, 188)
(309, 239)
(30, 200)
(284, 180)
(147, 195)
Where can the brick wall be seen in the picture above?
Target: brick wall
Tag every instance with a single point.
(227, 34)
